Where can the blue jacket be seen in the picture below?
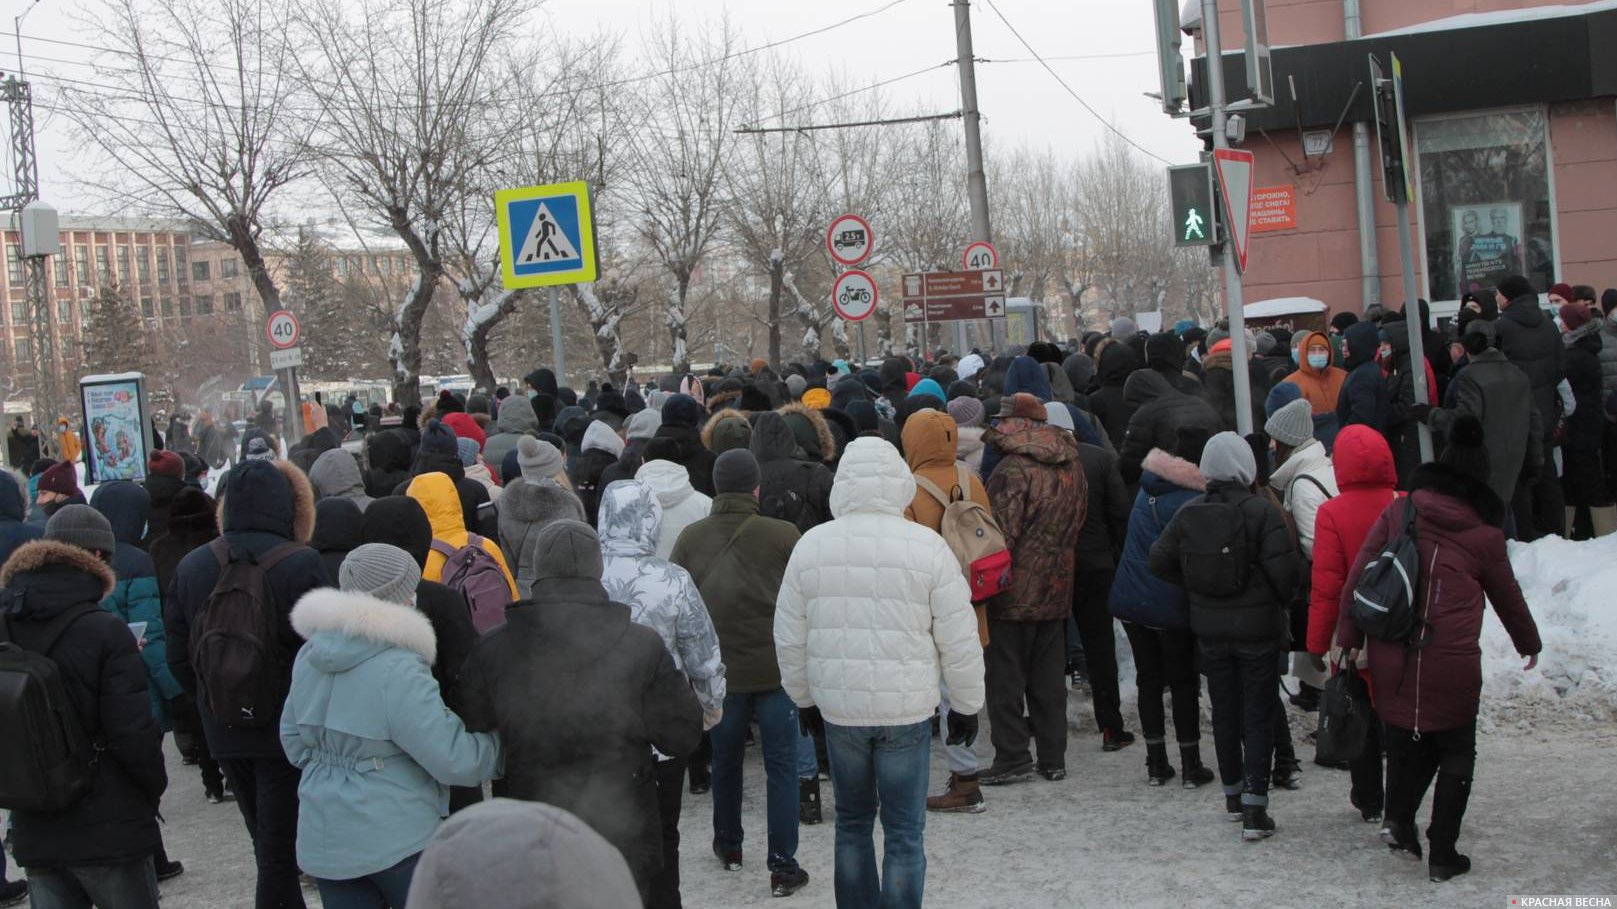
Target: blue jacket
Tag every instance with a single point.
(367, 726)
(1364, 399)
(1138, 596)
(14, 527)
(135, 597)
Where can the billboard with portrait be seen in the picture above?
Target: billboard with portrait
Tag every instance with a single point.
(1488, 244)
(116, 437)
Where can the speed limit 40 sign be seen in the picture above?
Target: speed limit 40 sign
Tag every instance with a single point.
(283, 329)
(980, 256)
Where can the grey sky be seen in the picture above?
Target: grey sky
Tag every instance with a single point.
(1021, 103)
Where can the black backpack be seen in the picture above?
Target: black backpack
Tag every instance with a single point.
(235, 640)
(1388, 593)
(47, 760)
(1215, 558)
(784, 502)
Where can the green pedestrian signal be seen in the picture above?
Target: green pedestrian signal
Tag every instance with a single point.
(1190, 191)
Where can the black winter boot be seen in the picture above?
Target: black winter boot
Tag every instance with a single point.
(808, 802)
(1256, 823)
(1449, 798)
(1447, 865)
(1194, 775)
(1157, 769)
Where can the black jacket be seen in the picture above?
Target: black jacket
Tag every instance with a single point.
(1531, 341)
(311, 447)
(336, 532)
(266, 504)
(693, 456)
(1364, 399)
(1106, 521)
(1403, 433)
(790, 486)
(161, 490)
(14, 527)
(1159, 410)
(388, 454)
(580, 695)
(116, 821)
(1218, 390)
(1117, 363)
(1255, 615)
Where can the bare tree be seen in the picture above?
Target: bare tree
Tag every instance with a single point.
(198, 122)
(678, 158)
(928, 215)
(406, 89)
(1122, 216)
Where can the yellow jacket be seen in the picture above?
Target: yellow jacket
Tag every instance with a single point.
(438, 498)
(67, 441)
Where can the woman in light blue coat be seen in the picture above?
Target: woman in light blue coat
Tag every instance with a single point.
(367, 726)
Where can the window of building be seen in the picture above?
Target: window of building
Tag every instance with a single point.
(227, 268)
(60, 264)
(204, 304)
(67, 350)
(103, 265)
(199, 271)
(1485, 201)
(162, 265)
(81, 264)
(146, 307)
(232, 301)
(64, 311)
(14, 264)
(342, 267)
(167, 306)
(19, 313)
(143, 266)
(123, 263)
(25, 350)
(356, 266)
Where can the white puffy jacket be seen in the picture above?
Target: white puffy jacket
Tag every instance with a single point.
(682, 504)
(874, 607)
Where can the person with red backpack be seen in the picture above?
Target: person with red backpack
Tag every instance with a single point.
(462, 560)
(83, 796)
(242, 587)
(931, 446)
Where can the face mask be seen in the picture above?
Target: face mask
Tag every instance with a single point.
(1319, 360)
(1384, 352)
(1294, 355)
(532, 394)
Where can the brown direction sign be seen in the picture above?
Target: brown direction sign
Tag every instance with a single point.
(948, 296)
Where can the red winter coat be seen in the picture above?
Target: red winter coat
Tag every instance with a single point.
(1463, 558)
(1365, 476)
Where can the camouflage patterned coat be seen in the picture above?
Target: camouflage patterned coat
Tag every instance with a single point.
(1039, 497)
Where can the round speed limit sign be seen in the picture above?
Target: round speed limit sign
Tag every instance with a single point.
(980, 256)
(283, 329)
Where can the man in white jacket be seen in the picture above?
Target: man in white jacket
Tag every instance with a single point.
(873, 609)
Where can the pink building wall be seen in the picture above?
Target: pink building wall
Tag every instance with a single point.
(1320, 257)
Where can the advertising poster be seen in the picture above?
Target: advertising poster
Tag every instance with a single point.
(114, 428)
(1487, 245)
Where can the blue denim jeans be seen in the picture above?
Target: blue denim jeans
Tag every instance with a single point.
(132, 885)
(1243, 681)
(779, 738)
(880, 768)
(386, 889)
(808, 761)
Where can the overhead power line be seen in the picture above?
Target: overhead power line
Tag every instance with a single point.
(888, 121)
(1076, 97)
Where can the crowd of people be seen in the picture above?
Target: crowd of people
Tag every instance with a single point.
(589, 605)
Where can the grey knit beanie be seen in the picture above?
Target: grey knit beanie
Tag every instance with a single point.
(735, 471)
(81, 526)
(796, 385)
(468, 451)
(1293, 424)
(538, 459)
(381, 571)
(1228, 457)
(967, 412)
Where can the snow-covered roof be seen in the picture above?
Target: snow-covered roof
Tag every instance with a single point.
(1283, 306)
(1500, 17)
(112, 377)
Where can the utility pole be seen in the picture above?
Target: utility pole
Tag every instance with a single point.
(1232, 269)
(976, 179)
(555, 335)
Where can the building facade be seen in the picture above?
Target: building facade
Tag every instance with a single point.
(1512, 114)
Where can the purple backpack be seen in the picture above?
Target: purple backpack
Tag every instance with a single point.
(473, 572)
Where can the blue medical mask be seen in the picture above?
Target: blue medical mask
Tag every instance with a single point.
(1294, 355)
(1319, 360)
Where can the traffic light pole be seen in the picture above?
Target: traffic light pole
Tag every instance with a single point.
(1232, 269)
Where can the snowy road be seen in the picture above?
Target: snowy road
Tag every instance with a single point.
(1542, 820)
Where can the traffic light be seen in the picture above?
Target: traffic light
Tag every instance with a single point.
(1190, 189)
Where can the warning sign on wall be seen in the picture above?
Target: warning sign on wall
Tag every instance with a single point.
(1274, 208)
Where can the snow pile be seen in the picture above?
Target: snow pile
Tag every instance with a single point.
(1571, 589)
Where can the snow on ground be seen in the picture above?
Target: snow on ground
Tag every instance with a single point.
(1571, 589)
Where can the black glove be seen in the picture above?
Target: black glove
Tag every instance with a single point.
(810, 722)
(1317, 661)
(1420, 413)
(962, 729)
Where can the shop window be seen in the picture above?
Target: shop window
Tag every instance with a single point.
(1485, 201)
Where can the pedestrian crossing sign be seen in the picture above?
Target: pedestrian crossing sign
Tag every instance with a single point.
(547, 235)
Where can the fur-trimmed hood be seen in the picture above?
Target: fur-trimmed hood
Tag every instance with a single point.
(253, 498)
(819, 445)
(345, 629)
(723, 401)
(1174, 470)
(721, 416)
(41, 555)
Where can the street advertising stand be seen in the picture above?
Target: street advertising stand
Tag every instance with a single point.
(117, 427)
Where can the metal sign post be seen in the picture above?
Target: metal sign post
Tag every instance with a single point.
(1395, 178)
(284, 331)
